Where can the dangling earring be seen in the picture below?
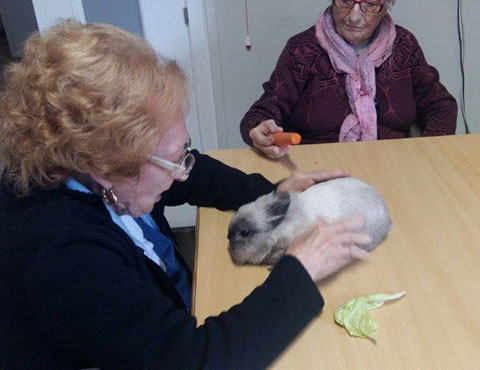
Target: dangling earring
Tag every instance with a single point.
(109, 196)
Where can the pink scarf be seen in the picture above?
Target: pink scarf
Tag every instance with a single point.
(361, 124)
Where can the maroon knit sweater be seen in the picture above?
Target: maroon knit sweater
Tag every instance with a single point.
(307, 96)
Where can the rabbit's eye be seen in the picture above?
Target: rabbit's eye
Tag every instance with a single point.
(246, 233)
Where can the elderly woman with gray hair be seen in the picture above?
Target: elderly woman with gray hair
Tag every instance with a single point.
(354, 76)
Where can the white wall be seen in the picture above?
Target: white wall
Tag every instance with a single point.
(238, 74)
(48, 12)
(434, 24)
(164, 27)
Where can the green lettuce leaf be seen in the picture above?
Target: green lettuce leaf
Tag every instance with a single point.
(354, 314)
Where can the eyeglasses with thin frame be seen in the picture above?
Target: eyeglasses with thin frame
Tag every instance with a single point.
(182, 170)
(366, 6)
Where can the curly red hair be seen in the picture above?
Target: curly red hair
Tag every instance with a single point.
(85, 99)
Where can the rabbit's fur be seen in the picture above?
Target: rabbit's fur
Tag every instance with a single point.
(260, 232)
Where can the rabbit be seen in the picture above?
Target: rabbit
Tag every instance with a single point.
(261, 231)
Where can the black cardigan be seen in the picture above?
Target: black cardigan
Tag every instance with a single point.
(76, 292)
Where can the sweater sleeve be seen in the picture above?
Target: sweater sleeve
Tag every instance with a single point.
(286, 83)
(436, 107)
(214, 184)
(90, 302)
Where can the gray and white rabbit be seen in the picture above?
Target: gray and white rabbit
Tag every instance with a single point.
(260, 232)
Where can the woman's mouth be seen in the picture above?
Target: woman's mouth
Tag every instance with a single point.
(352, 28)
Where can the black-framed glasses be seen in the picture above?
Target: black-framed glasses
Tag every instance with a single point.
(182, 170)
(366, 6)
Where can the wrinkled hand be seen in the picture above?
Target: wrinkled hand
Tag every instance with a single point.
(262, 139)
(302, 180)
(325, 249)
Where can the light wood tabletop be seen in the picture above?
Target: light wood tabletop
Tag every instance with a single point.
(432, 189)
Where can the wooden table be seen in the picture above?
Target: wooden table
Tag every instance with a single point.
(432, 188)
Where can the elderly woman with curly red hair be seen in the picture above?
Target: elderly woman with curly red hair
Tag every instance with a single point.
(354, 76)
(95, 146)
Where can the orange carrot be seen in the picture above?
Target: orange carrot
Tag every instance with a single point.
(286, 138)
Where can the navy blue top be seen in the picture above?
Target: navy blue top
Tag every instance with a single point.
(76, 291)
(155, 245)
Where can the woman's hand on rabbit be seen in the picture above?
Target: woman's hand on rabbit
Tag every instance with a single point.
(325, 249)
(262, 139)
(302, 180)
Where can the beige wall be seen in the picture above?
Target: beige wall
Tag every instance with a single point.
(238, 74)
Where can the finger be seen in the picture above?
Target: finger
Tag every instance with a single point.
(301, 184)
(284, 150)
(280, 151)
(350, 238)
(351, 252)
(259, 138)
(359, 253)
(266, 150)
(297, 182)
(271, 126)
(273, 151)
(324, 175)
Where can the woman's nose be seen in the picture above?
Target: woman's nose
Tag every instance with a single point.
(355, 16)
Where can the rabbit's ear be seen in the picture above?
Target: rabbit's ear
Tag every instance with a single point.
(278, 208)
